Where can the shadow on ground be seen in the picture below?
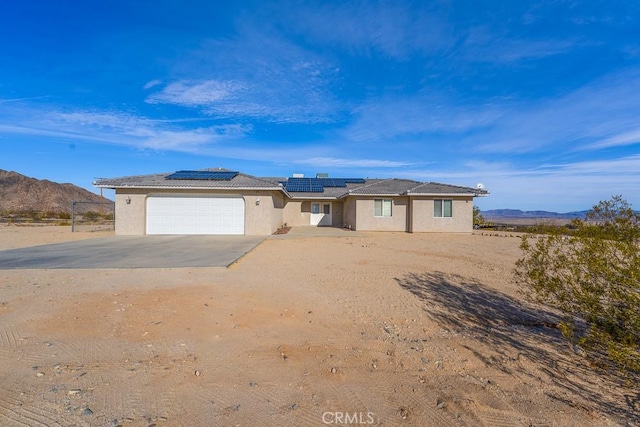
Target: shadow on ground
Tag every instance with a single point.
(508, 326)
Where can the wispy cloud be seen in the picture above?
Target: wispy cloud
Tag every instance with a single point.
(594, 116)
(332, 162)
(7, 100)
(619, 140)
(206, 93)
(259, 75)
(118, 129)
(152, 83)
(505, 50)
(390, 28)
(391, 117)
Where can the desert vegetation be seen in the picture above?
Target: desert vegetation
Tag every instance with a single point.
(591, 273)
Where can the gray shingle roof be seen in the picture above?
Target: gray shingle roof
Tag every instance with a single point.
(371, 187)
(240, 181)
(433, 188)
(391, 186)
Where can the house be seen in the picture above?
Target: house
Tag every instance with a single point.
(220, 201)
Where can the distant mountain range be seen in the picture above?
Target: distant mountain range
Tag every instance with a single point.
(516, 213)
(19, 193)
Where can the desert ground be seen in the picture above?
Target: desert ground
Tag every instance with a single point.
(389, 329)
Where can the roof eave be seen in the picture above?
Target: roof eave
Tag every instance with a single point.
(444, 194)
(179, 187)
(314, 197)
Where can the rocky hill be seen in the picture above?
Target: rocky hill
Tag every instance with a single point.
(19, 193)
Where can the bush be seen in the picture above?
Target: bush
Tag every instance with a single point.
(593, 276)
(91, 216)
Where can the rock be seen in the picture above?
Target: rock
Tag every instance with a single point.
(404, 413)
(87, 411)
(40, 374)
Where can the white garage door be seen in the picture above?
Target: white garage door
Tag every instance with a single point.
(195, 215)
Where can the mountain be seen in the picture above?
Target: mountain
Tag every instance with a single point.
(19, 193)
(516, 213)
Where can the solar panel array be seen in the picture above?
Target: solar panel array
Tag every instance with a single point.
(317, 185)
(304, 185)
(206, 175)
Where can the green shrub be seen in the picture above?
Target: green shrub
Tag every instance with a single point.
(91, 216)
(592, 275)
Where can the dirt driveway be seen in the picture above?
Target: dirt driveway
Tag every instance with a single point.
(386, 329)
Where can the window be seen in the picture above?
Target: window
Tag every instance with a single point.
(326, 208)
(382, 207)
(315, 208)
(442, 208)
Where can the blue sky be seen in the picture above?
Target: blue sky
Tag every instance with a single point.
(539, 101)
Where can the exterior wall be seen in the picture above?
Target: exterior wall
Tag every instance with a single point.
(413, 214)
(366, 221)
(337, 215)
(277, 217)
(296, 213)
(130, 218)
(261, 218)
(423, 220)
(349, 213)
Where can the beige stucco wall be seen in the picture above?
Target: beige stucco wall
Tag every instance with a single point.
(261, 218)
(130, 218)
(413, 214)
(337, 214)
(424, 221)
(298, 212)
(366, 221)
(294, 214)
(349, 213)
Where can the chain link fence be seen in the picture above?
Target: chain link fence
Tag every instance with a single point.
(92, 216)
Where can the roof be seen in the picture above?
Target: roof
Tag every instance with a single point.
(367, 187)
(159, 180)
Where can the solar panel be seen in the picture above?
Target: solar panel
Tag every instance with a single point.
(304, 185)
(317, 185)
(205, 175)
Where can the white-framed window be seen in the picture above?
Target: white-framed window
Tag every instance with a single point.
(315, 208)
(382, 207)
(442, 208)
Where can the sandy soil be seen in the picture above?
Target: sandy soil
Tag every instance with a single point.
(380, 329)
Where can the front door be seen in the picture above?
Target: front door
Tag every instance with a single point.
(321, 214)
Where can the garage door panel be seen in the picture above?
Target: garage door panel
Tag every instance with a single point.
(195, 215)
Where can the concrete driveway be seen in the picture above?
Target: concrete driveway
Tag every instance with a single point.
(133, 252)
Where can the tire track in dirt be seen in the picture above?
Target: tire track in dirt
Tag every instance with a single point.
(391, 401)
(15, 347)
(85, 351)
(491, 407)
(10, 344)
(293, 407)
(16, 410)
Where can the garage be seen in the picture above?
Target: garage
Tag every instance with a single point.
(195, 214)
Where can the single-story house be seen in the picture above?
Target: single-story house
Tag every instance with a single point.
(220, 201)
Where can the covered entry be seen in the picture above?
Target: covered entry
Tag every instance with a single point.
(321, 213)
(206, 214)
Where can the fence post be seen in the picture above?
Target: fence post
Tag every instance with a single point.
(73, 216)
